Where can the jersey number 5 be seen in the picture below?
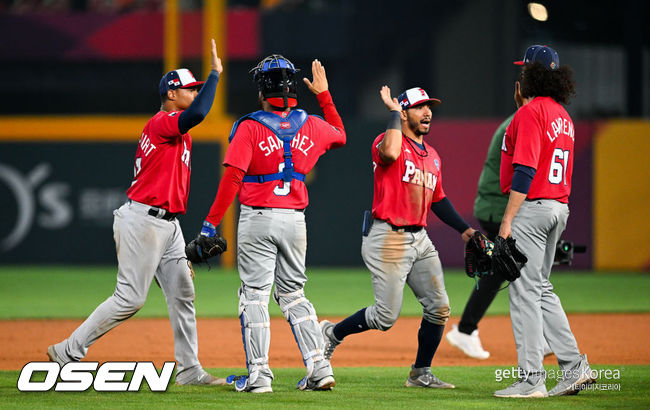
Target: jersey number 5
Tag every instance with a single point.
(559, 164)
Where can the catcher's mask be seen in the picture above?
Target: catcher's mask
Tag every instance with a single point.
(275, 80)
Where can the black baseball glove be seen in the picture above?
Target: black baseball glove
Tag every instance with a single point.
(507, 260)
(202, 248)
(478, 252)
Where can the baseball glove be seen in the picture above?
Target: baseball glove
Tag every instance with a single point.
(478, 253)
(507, 260)
(202, 248)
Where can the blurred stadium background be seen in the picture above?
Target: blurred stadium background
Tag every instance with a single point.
(80, 80)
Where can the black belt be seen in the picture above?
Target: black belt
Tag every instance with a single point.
(168, 216)
(266, 207)
(407, 228)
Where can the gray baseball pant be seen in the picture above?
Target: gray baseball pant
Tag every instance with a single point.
(146, 247)
(271, 248)
(395, 258)
(535, 310)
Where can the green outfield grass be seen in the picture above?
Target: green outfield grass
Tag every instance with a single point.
(74, 292)
(369, 387)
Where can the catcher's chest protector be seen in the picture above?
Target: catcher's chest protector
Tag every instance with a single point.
(285, 128)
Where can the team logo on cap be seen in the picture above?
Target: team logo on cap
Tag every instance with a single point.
(175, 82)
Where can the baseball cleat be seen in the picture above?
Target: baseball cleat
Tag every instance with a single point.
(206, 379)
(422, 377)
(575, 379)
(524, 389)
(241, 385)
(51, 354)
(326, 383)
(468, 344)
(327, 329)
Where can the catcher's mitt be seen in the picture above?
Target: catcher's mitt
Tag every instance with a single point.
(203, 247)
(478, 252)
(507, 260)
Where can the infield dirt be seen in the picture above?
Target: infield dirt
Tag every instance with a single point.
(606, 338)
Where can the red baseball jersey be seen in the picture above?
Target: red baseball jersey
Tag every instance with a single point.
(541, 136)
(405, 189)
(257, 151)
(162, 164)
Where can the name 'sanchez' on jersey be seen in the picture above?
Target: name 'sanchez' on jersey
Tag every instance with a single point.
(300, 142)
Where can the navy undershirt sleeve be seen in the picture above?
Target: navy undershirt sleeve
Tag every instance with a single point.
(522, 178)
(447, 214)
(201, 105)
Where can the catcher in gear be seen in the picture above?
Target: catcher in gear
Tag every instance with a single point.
(206, 245)
(270, 152)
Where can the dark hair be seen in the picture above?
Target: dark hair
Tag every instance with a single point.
(538, 81)
(163, 98)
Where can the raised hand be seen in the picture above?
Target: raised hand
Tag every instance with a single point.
(319, 84)
(216, 61)
(391, 103)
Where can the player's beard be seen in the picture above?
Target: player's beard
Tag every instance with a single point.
(414, 125)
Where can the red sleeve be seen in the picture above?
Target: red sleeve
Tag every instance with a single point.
(376, 158)
(240, 150)
(166, 125)
(438, 193)
(229, 186)
(336, 135)
(527, 139)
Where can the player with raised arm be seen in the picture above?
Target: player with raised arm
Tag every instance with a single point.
(396, 248)
(536, 166)
(270, 153)
(148, 236)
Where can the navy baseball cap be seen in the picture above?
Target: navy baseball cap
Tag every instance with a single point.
(416, 96)
(175, 79)
(544, 54)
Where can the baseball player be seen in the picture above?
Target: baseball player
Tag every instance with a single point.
(489, 206)
(536, 167)
(148, 236)
(270, 153)
(396, 248)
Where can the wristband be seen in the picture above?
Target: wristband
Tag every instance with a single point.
(395, 122)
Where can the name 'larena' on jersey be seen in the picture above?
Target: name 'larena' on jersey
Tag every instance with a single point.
(300, 142)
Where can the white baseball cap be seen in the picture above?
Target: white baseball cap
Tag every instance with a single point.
(416, 96)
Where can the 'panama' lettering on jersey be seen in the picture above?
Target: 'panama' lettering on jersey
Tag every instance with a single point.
(414, 175)
(272, 143)
(561, 125)
(405, 188)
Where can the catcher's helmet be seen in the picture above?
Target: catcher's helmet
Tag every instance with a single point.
(275, 80)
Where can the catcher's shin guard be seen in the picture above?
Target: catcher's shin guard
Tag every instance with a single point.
(256, 333)
(301, 315)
